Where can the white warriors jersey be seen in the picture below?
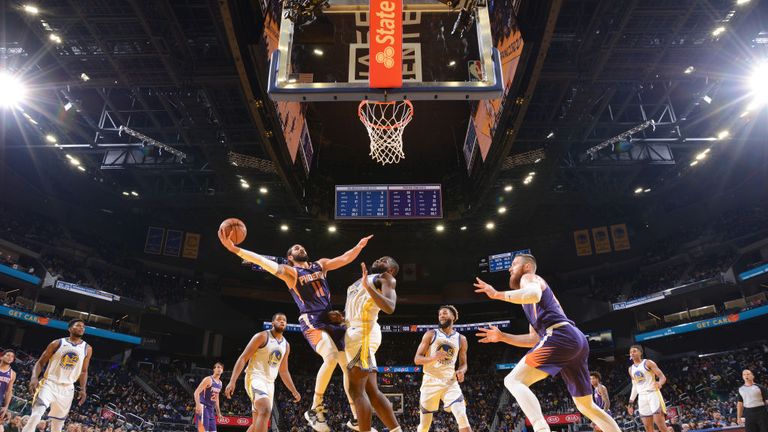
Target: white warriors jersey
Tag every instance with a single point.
(642, 378)
(444, 369)
(265, 362)
(66, 363)
(360, 308)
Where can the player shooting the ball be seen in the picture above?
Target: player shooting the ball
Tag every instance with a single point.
(321, 326)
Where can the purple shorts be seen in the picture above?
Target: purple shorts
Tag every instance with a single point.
(206, 422)
(315, 323)
(565, 351)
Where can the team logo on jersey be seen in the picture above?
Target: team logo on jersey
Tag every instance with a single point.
(69, 360)
(450, 350)
(639, 377)
(275, 357)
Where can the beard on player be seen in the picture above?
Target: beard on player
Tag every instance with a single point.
(445, 323)
(297, 253)
(279, 322)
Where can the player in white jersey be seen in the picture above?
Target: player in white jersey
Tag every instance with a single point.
(643, 373)
(67, 361)
(438, 352)
(365, 298)
(267, 356)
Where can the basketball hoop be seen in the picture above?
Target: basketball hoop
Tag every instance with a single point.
(385, 122)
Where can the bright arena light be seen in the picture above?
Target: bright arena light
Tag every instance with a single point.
(440, 228)
(32, 10)
(283, 227)
(50, 138)
(718, 31)
(723, 134)
(502, 210)
(758, 84)
(12, 90)
(490, 226)
(332, 228)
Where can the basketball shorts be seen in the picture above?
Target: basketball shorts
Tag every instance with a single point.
(564, 350)
(57, 397)
(325, 338)
(207, 421)
(434, 390)
(649, 404)
(361, 344)
(258, 388)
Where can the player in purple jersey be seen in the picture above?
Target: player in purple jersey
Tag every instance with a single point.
(7, 378)
(557, 346)
(599, 394)
(207, 400)
(307, 283)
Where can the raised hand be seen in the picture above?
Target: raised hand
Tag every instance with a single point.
(364, 241)
(227, 242)
(484, 288)
(489, 335)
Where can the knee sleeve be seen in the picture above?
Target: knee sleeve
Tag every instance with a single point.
(459, 412)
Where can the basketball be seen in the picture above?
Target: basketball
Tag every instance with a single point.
(234, 229)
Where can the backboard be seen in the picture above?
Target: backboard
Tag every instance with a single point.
(328, 59)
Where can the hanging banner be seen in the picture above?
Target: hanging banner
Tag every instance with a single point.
(386, 44)
(191, 245)
(602, 242)
(173, 243)
(620, 237)
(154, 242)
(583, 243)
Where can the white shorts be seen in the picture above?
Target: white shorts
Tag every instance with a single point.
(651, 403)
(57, 397)
(361, 344)
(433, 390)
(258, 388)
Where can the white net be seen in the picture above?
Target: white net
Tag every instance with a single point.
(385, 122)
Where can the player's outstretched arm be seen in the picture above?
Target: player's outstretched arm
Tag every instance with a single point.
(285, 273)
(462, 369)
(347, 257)
(285, 374)
(656, 371)
(84, 376)
(204, 384)
(492, 334)
(529, 292)
(421, 357)
(42, 361)
(386, 299)
(256, 341)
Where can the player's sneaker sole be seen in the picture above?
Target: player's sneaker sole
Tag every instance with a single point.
(356, 428)
(316, 425)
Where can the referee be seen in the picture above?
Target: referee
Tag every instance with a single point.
(752, 404)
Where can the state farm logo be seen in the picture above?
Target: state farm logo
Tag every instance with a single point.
(387, 58)
(733, 317)
(553, 419)
(242, 421)
(571, 418)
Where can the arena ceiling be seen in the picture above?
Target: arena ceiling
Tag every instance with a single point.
(592, 70)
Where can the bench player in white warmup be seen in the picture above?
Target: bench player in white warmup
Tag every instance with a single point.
(643, 373)
(67, 361)
(267, 356)
(438, 352)
(365, 298)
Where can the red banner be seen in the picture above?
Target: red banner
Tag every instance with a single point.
(234, 421)
(386, 44)
(559, 419)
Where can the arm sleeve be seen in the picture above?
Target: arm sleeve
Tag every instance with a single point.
(527, 294)
(633, 395)
(265, 263)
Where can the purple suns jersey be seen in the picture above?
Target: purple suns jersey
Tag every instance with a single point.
(547, 312)
(598, 398)
(311, 292)
(5, 379)
(211, 394)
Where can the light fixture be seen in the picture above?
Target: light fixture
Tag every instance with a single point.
(74, 161)
(50, 138)
(440, 228)
(332, 228)
(84, 77)
(318, 52)
(758, 85)
(707, 151)
(126, 193)
(647, 190)
(718, 31)
(502, 210)
(55, 38)
(32, 10)
(452, 63)
(508, 188)
(694, 163)
(701, 156)
(532, 173)
(639, 190)
(244, 184)
(723, 134)
(550, 135)
(537, 160)
(80, 167)
(689, 70)
(283, 227)
(490, 225)
(263, 190)
(134, 193)
(528, 180)
(12, 90)
(742, 2)
(463, 228)
(707, 99)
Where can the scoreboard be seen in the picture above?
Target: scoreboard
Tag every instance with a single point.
(423, 201)
(502, 262)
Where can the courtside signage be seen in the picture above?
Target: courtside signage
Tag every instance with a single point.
(703, 324)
